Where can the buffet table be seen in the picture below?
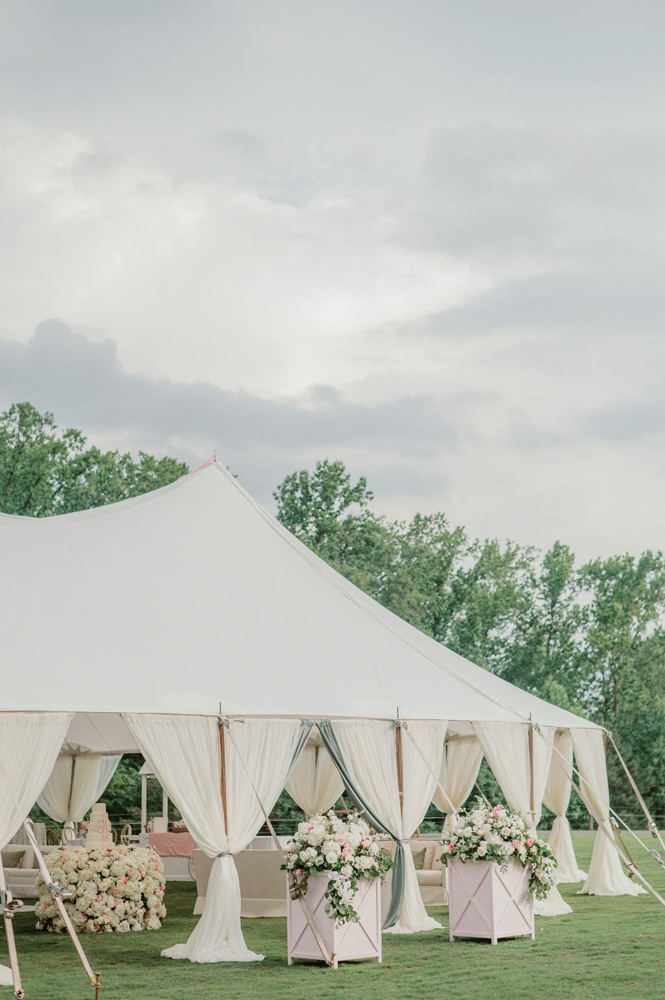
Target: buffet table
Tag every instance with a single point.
(173, 845)
(175, 850)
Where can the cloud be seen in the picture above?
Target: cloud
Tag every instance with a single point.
(631, 420)
(85, 385)
(572, 303)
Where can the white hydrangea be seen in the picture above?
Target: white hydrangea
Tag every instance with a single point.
(119, 888)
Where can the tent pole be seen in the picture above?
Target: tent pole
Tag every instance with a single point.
(400, 761)
(144, 802)
(222, 751)
(69, 804)
(165, 806)
(532, 801)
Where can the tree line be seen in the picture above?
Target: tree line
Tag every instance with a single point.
(590, 637)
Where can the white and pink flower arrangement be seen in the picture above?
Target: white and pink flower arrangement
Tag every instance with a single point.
(346, 851)
(120, 888)
(493, 833)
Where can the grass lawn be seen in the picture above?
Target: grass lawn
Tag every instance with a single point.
(609, 947)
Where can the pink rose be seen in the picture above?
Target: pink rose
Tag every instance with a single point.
(517, 843)
(529, 842)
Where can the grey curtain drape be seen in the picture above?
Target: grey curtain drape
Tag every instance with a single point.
(332, 746)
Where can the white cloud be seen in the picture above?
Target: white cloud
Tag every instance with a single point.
(448, 215)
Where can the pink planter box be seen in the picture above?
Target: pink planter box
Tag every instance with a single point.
(485, 902)
(346, 943)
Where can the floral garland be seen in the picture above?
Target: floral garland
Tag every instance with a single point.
(118, 888)
(496, 834)
(347, 851)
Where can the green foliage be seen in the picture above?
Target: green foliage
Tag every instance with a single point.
(45, 471)
(589, 639)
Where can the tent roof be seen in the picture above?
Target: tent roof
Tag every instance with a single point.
(193, 597)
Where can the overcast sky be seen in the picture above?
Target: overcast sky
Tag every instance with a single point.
(426, 238)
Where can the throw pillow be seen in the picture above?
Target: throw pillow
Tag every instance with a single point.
(11, 859)
(419, 859)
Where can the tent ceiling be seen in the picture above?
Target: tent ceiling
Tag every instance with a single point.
(191, 599)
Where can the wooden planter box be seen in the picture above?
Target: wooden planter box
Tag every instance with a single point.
(485, 902)
(348, 942)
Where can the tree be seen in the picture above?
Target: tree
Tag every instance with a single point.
(45, 471)
(622, 657)
(331, 516)
(494, 591)
(543, 654)
(419, 581)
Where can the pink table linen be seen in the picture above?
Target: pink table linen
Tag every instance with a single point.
(173, 845)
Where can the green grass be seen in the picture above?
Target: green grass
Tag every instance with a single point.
(608, 948)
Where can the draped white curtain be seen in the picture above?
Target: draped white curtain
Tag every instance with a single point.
(459, 771)
(185, 753)
(29, 745)
(506, 747)
(557, 798)
(315, 783)
(75, 784)
(606, 877)
(368, 748)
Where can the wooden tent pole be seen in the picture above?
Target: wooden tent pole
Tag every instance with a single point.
(71, 786)
(400, 762)
(532, 767)
(222, 751)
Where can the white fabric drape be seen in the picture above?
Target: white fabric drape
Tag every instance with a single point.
(557, 798)
(29, 745)
(606, 877)
(506, 747)
(459, 771)
(185, 753)
(368, 748)
(75, 784)
(315, 783)
(108, 765)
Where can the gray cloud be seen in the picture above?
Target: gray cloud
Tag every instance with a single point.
(84, 384)
(550, 187)
(629, 421)
(626, 301)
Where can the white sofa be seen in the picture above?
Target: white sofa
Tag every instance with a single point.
(21, 881)
(263, 885)
(432, 876)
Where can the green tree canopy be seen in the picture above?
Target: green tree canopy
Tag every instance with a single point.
(590, 639)
(44, 470)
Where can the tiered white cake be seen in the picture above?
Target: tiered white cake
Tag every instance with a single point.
(99, 828)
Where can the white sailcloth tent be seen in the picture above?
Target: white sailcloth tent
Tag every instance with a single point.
(139, 624)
